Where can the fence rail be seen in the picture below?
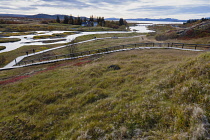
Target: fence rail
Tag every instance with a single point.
(114, 48)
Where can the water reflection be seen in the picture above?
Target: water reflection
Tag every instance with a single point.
(141, 28)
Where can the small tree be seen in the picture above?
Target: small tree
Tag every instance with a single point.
(71, 20)
(58, 19)
(102, 21)
(66, 20)
(121, 22)
(79, 21)
(85, 19)
(91, 18)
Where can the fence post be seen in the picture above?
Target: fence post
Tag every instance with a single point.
(195, 47)
(172, 44)
(153, 44)
(182, 46)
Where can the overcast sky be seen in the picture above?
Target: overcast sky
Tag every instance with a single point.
(180, 9)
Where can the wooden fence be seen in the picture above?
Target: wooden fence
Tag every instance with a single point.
(114, 48)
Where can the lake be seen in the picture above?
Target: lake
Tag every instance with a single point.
(141, 26)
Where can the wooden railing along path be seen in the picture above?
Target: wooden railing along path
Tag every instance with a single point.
(55, 58)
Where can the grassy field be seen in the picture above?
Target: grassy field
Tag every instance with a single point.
(87, 37)
(157, 94)
(50, 27)
(5, 40)
(97, 44)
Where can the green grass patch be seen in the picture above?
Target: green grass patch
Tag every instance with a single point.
(2, 48)
(7, 34)
(53, 41)
(157, 94)
(87, 37)
(58, 35)
(5, 40)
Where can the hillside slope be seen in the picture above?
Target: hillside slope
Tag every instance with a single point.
(157, 94)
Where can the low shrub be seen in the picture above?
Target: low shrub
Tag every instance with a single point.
(166, 36)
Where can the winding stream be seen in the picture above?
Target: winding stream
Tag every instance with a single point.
(28, 39)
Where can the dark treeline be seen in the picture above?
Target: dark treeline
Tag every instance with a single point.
(195, 20)
(71, 20)
(99, 21)
(3, 21)
(81, 20)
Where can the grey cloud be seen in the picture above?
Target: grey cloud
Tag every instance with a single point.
(153, 8)
(63, 4)
(26, 8)
(93, 2)
(110, 1)
(165, 10)
(194, 10)
(18, 8)
(3, 7)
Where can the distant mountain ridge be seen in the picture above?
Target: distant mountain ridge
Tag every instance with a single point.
(12, 15)
(46, 16)
(42, 16)
(151, 19)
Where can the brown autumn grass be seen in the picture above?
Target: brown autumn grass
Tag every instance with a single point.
(157, 94)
